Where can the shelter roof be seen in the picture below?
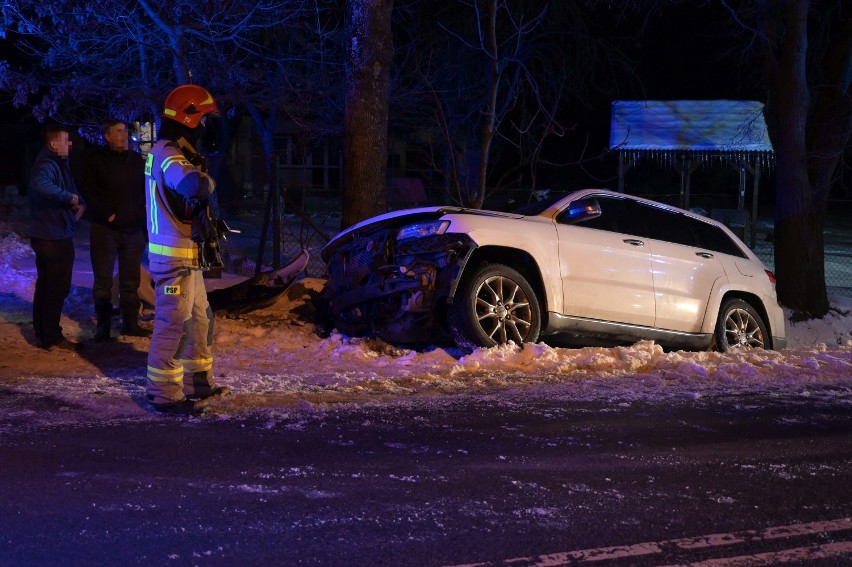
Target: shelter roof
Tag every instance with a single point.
(692, 125)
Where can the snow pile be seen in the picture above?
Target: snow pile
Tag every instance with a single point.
(276, 363)
(13, 249)
(833, 329)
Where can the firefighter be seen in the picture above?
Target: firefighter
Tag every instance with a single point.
(178, 191)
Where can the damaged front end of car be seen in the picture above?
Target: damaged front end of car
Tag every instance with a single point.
(393, 280)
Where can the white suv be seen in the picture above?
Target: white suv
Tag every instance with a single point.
(593, 265)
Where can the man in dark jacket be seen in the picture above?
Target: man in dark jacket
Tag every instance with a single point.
(55, 208)
(113, 183)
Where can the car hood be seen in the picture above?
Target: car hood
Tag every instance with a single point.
(401, 218)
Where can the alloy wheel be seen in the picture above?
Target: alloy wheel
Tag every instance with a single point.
(503, 310)
(743, 330)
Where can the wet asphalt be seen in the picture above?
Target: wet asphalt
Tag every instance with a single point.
(497, 480)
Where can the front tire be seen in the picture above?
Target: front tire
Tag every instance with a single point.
(739, 326)
(494, 306)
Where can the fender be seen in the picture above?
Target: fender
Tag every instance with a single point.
(540, 244)
(722, 288)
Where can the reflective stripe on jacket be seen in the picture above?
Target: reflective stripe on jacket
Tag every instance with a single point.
(170, 179)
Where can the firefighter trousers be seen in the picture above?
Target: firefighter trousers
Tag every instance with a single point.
(180, 358)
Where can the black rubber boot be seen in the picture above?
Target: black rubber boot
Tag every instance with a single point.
(103, 311)
(216, 393)
(184, 407)
(130, 323)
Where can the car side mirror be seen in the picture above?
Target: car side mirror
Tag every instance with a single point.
(581, 210)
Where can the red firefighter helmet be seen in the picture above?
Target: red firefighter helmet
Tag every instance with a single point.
(188, 104)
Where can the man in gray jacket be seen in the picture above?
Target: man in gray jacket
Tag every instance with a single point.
(55, 208)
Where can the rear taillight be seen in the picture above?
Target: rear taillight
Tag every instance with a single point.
(771, 276)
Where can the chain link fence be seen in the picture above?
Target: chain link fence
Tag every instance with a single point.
(273, 234)
(837, 237)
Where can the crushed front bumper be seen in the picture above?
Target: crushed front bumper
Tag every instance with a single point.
(395, 290)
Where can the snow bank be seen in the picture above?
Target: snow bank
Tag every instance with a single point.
(277, 364)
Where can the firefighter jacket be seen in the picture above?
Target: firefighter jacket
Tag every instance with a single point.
(174, 175)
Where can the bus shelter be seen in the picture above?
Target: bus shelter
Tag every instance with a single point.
(688, 134)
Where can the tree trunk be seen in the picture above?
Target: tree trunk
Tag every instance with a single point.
(365, 120)
(490, 117)
(799, 218)
(799, 264)
(266, 132)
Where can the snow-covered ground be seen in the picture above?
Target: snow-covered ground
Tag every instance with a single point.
(278, 366)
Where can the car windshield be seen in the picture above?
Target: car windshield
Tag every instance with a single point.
(538, 207)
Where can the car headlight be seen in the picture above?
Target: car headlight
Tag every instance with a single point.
(422, 229)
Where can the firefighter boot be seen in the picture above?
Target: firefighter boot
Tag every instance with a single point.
(185, 407)
(103, 312)
(130, 322)
(215, 394)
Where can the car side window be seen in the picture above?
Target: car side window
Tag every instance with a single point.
(615, 216)
(661, 224)
(714, 238)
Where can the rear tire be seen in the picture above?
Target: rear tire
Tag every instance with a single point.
(740, 326)
(493, 306)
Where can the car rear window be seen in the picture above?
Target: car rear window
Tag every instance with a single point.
(662, 224)
(714, 238)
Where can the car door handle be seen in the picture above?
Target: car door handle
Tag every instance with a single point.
(634, 242)
(707, 255)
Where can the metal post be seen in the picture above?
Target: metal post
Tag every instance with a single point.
(276, 214)
(754, 200)
(741, 201)
(261, 243)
